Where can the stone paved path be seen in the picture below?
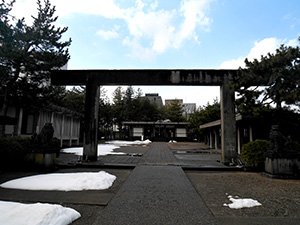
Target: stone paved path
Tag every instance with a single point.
(158, 154)
(157, 194)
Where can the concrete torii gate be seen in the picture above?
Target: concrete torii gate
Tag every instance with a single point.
(171, 77)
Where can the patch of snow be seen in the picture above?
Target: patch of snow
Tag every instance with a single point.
(12, 213)
(103, 149)
(75, 150)
(107, 149)
(128, 143)
(63, 182)
(238, 203)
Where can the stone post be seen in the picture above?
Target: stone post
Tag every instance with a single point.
(210, 139)
(250, 133)
(216, 139)
(228, 123)
(239, 140)
(20, 122)
(90, 145)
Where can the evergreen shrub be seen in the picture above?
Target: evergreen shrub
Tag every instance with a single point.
(11, 153)
(25, 143)
(253, 152)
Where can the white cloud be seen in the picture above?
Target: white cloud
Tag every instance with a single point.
(267, 45)
(194, 13)
(154, 5)
(293, 42)
(138, 51)
(263, 47)
(161, 30)
(108, 34)
(233, 64)
(154, 26)
(107, 8)
(153, 29)
(25, 9)
(196, 38)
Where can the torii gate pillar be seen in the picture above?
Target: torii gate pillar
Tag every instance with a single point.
(90, 138)
(228, 123)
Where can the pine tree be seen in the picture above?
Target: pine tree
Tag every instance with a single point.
(27, 54)
(174, 112)
(205, 114)
(280, 72)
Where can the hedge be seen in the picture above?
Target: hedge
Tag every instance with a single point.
(253, 152)
(12, 153)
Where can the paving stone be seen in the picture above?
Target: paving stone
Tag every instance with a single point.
(156, 195)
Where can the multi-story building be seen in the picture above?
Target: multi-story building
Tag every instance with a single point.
(188, 109)
(155, 98)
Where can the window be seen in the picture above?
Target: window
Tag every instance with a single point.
(28, 124)
(137, 131)
(181, 132)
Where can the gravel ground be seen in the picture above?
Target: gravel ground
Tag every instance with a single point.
(89, 213)
(279, 198)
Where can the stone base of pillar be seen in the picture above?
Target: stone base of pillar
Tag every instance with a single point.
(282, 165)
(89, 158)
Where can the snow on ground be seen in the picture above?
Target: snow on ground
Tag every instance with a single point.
(63, 181)
(103, 149)
(12, 213)
(238, 203)
(107, 149)
(128, 143)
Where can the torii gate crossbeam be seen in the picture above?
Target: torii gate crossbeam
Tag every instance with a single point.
(170, 77)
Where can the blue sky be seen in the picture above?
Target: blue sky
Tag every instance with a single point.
(172, 34)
